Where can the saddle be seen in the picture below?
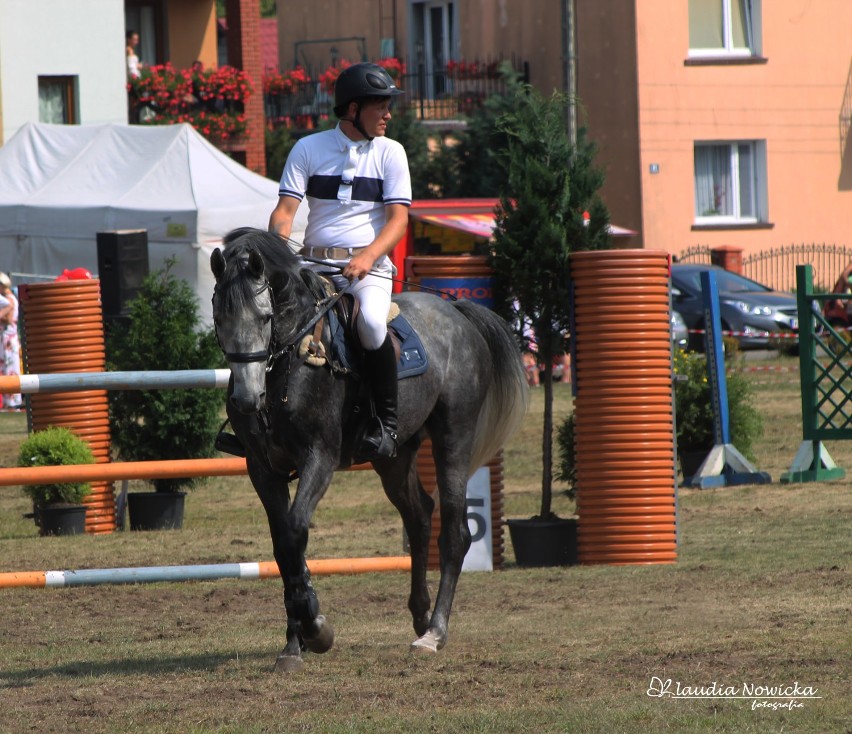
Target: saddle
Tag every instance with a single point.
(343, 353)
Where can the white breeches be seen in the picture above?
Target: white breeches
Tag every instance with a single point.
(374, 298)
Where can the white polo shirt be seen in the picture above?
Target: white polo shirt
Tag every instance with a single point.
(347, 183)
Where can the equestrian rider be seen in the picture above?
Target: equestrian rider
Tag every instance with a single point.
(358, 188)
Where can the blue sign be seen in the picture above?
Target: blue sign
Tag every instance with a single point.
(479, 290)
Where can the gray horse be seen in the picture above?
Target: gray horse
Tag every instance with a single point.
(295, 419)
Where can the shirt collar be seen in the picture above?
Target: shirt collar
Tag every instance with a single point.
(344, 142)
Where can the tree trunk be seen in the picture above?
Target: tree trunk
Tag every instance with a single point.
(547, 436)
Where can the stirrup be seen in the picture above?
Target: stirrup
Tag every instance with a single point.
(379, 443)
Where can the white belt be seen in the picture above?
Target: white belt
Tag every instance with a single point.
(330, 253)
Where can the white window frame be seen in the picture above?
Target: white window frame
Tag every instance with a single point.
(753, 31)
(756, 182)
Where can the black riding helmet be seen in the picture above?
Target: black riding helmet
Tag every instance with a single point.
(358, 82)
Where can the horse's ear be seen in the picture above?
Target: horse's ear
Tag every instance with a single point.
(255, 264)
(217, 263)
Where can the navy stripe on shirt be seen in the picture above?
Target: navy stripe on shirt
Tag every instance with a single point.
(363, 189)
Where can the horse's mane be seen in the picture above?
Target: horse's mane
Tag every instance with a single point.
(293, 286)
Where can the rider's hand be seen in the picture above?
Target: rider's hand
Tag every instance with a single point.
(359, 266)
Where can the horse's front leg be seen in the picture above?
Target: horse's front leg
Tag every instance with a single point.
(274, 494)
(300, 599)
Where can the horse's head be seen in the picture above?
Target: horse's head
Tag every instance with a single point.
(242, 314)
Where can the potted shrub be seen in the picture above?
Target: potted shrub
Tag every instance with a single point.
(550, 183)
(694, 411)
(58, 507)
(163, 333)
(693, 417)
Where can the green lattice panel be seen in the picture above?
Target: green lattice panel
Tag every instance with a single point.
(825, 361)
(832, 381)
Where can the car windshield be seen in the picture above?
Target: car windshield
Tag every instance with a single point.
(726, 282)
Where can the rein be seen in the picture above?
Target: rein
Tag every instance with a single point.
(335, 266)
(322, 308)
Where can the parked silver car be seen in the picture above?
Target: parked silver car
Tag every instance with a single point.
(757, 316)
(680, 334)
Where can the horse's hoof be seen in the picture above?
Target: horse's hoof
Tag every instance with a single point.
(289, 663)
(430, 642)
(324, 638)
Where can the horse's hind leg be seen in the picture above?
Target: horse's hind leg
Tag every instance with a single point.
(404, 490)
(452, 458)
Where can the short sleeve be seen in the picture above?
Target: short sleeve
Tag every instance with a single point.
(397, 178)
(294, 179)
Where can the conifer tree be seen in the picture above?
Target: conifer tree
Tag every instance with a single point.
(549, 183)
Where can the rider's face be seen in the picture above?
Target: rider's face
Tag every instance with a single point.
(375, 115)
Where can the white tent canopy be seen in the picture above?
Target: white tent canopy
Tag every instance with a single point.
(62, 184)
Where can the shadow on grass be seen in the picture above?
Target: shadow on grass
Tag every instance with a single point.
(130, 666)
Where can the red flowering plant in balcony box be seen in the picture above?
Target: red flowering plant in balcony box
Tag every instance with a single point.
(329, 77)
(211, 100)
(473, 70)
(284, 83)
(394, 67)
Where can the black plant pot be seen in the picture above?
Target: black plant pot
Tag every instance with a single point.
(62, 519)
(544, 542)
(155, 510)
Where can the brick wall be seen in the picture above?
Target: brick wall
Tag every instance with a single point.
(244, 53)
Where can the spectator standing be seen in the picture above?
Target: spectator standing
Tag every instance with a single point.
(11, 346)
(133, 63)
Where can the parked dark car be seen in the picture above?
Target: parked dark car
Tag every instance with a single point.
(757, 316)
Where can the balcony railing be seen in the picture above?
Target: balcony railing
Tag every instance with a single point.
(444, 94)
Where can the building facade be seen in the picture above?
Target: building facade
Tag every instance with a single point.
(721, 122)
(47, 74)
(63, 62)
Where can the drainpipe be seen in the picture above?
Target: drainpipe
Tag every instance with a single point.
(569, 66)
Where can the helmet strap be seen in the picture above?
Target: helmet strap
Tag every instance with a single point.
(356, 122)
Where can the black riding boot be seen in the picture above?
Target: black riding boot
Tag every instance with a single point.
(379, 441)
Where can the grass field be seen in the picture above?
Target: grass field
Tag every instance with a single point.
(760, 596)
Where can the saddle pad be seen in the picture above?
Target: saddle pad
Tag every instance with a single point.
(413, 360)
(412, 356)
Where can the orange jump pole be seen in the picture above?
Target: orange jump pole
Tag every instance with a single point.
(122, 470)
(208, 572)
(624, 419)
(172, 468)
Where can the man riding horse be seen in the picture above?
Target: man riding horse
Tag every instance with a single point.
(359, 189)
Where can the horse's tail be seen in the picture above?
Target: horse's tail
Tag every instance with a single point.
(508, 394)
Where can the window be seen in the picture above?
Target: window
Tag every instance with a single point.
(730, 183)
(722, 28)
(57, 99)
(435, 41)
